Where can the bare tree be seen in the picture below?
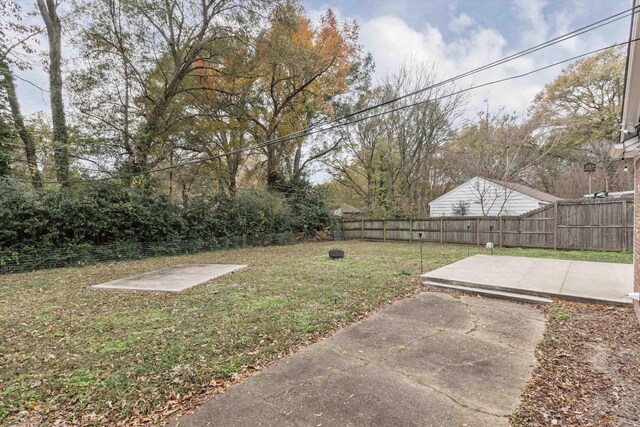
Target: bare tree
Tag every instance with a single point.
(354, 163)
(500, 147)
(492, 198)
(416, 133)
(393, 160)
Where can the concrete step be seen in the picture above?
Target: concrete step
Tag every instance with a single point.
(490, 293)
(498, 288)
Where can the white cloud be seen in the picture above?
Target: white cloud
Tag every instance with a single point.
(460, 23)
(532, 11)
(391, 42)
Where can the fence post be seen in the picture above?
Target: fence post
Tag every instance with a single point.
(384, 230)
(624, 226)
(441, 230)
(555, 226)
(411, 231)
(362, 230)
(500, 232)
(478, 231)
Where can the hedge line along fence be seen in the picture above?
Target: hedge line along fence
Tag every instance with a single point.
(585, 225)
(86, 254)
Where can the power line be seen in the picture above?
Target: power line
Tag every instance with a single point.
(595, 25)
(338, 125)
(334, 123)
(488, 83)
(52, 164)
(574, 33)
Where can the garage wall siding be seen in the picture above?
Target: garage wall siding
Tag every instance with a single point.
(479, 192)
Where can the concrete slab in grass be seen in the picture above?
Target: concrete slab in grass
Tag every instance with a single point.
(171, 279)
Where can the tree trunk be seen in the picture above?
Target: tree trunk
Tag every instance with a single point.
(272, 166)
(185, 195)
(18, 121)
(367, 199)
(48, 10)
(233, 164)
(5, 150)
(297, 172)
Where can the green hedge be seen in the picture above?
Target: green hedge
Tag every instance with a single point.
(103, 213)
(85, 254)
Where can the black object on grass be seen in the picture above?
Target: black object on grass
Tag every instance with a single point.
(336, 253)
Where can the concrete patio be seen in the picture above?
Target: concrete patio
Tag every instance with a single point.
(171, 279)
(431, 359)
(577, 280)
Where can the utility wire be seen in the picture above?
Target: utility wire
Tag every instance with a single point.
(338, 125)
(574, 33)
(595, 25)
(484, 84)
(334, 123)
(52, 164)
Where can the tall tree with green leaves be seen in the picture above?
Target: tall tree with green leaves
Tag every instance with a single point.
(584, 102)
(137, 56)
(288, 75)
(580, 110)
(49, 12)
(12, 21)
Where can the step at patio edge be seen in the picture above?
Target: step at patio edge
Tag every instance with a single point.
(528, 292)
(530, 299)
(488, 287)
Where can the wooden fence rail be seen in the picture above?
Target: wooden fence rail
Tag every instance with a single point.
(587, 225)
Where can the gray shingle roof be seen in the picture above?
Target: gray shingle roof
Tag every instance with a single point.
(524, 189)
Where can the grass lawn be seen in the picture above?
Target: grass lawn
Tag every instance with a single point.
(95, 357)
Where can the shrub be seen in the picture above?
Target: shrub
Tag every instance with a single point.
(101, 213)
(310, 213)
(248, 214)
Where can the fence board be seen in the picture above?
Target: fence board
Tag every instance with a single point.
(588, 225)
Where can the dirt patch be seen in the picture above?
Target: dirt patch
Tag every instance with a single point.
(589, 369)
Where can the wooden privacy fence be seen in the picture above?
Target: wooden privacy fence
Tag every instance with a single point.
(588, 225)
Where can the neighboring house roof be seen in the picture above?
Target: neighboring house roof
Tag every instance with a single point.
(349, 210)
(527, 191)
(612, 194)
(520, 188)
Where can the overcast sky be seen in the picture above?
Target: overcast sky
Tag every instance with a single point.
(454, 36)
(459, 35)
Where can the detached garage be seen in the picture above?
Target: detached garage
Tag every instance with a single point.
(489, 197)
